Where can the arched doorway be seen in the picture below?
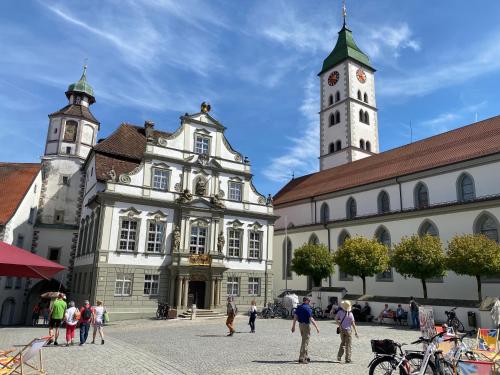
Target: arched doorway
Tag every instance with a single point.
(37, 290)
(196, 294)
(7, 312)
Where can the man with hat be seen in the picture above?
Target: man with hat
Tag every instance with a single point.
(345, 321)
(303, 314)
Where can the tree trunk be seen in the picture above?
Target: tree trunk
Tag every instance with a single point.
(364, 284)
(479, 294)
(424, 286)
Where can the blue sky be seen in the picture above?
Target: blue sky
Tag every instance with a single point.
(256, 63)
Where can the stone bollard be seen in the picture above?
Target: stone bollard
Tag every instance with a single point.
(193, 312)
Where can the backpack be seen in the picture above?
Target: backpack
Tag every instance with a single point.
(87, 313)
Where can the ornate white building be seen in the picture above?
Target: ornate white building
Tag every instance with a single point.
(172, 217)
(444, 185)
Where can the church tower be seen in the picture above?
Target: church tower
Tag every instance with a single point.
(348, 110)
(72, 132)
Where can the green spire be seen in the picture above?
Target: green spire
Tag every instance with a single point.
(344, 49)
(82, 86)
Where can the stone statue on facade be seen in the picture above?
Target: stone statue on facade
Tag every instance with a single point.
(185, 196)
(112, 174)
(220, 242)
(176, 238)
(201, 187)
(217, 202)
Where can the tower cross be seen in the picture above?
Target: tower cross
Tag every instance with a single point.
(344, 11)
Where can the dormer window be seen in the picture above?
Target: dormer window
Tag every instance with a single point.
(202, 145)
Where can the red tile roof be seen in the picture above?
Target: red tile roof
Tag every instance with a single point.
(469, 142)
(122, 151)
(15, 181)
(76, 110)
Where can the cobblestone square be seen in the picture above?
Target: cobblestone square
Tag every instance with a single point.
(201, 347)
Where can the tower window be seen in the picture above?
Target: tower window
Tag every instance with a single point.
(365, 97)
(361, 116)
(359, 94)
(331, 148)
(68, 150)
(368, 146)
(330, 100)
(337, 117)
(332, 119)
(361, 144)
(338, 145)
(70, 131)
(337, 96)
(55, 130)
(367, 118)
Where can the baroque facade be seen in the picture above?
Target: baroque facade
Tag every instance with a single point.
(172, 217)
(444, 185)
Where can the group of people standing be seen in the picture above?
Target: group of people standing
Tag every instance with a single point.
(73, 317)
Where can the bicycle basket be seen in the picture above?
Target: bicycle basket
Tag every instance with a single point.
(386, 347)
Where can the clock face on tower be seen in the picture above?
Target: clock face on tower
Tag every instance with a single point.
(333, 78)
(361, 75)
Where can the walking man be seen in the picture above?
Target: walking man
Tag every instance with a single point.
(232, 310)
(86, 314)
(303, 314)
(56, 316)
(415, 324)
(345, 321)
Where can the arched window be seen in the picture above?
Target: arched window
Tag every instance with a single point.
(324, 213)
(383, 236)
(361, 144)
(332, 119)
(365, 98)
(488, 225)
(428, 227)
(351, 208)
(367, 118)
(465, 188)
(331, 148)
(338, 145)
(287, 258)
(344, 235)
(359, 94)
(421, 196)
(368, 146)
(330, 100)
(313, 239)
(337, 117)
(384, 204)
(361, 116)
(337, 96)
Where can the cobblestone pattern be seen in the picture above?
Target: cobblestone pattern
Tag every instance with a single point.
(201, 347)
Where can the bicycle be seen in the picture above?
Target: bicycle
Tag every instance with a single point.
(453, 321)
(387, 361)
(273, 311)
(162, 310)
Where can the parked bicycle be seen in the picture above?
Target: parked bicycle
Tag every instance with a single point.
(276, 310)
(453, 321)
(162, 310)
(391, 359)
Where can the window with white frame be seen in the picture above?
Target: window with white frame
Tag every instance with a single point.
(123, 284)
(254, 241)
(128, 235)
(234, 243)
(198, 240)
(155, 236)
(233, 286)
(254, 286)
(235, 189)
(161, 179)
(151, 284)
(202, 145)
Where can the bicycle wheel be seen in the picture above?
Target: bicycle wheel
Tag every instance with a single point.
(158, 313)
(265, 313)
(457, 325)
(384, 366)
(415, 360)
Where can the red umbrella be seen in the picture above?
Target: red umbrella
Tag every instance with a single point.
(21, 263)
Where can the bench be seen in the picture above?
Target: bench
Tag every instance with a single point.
(392, 318)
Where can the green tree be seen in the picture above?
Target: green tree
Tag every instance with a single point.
(474, 255)
(362, 257)
(421, 257)
(314, 261)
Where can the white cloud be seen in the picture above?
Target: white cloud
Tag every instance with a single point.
(301, 157)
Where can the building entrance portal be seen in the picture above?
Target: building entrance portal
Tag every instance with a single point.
(196, 294)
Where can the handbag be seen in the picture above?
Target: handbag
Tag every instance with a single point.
(106, 317)
(342, 321)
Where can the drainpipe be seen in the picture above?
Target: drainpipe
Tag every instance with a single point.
(330, 251)
(265, 269)
(400, 195)
(93, 279)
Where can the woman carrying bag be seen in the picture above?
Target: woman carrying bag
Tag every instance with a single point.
(345, 321)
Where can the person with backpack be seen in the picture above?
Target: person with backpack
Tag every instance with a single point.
(98, 321)
(303, 314)
(86, 314)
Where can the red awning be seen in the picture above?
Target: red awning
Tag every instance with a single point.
(21, 263)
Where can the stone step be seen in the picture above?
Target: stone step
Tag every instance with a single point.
(202, 313)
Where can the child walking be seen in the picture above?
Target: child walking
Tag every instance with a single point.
(253, 316)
